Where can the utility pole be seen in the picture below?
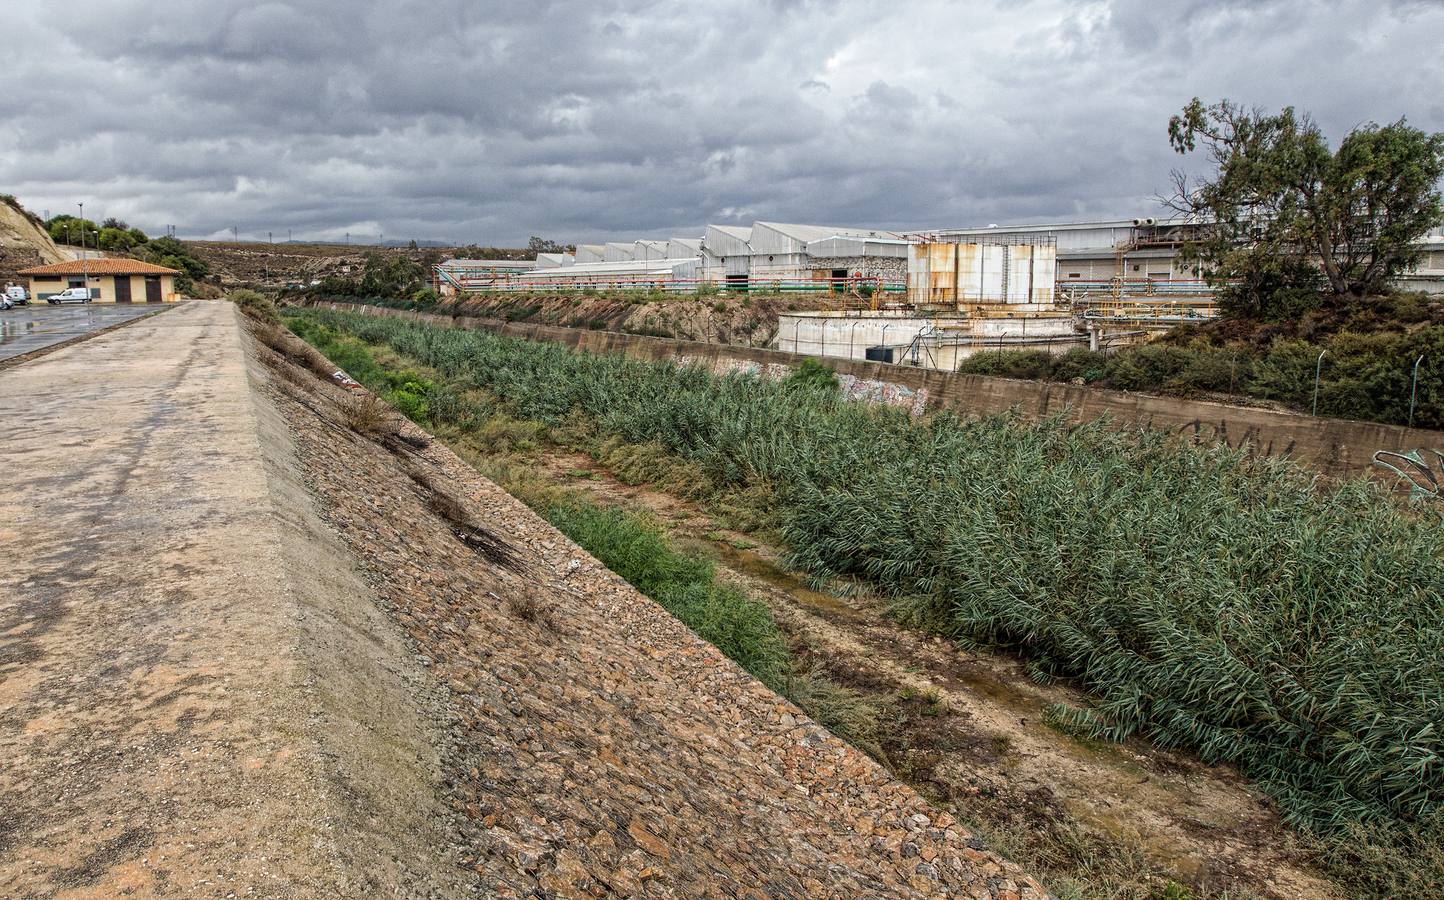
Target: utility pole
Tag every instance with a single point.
(84, 263)
(235, 234)
(288, 235)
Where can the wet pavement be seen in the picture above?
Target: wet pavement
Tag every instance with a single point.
(28, 328)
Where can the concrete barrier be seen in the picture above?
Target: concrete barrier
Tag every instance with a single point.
(1338, 448)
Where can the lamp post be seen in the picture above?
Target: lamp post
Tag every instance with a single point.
(84, 263)
(852, 339)
(1414, 389)
(885, 327)
(1318, 368)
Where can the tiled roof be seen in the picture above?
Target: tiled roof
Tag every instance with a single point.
(104, 266)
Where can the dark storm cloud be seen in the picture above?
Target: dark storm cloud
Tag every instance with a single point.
(594, 120)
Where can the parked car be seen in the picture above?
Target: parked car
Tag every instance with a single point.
(70, 295)
(17, 295)
(6, 302)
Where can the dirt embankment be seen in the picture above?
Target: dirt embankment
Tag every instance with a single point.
(596, 746)
(723, 318)
(24, 242)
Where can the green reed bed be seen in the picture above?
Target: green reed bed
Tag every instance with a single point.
(1226, 605)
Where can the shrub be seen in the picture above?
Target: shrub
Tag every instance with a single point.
(257, 306)
(811, 375)
(1009, 364)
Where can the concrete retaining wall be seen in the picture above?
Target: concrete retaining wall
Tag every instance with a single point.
(1338, 448)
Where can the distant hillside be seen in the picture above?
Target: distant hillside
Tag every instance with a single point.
(24, 241)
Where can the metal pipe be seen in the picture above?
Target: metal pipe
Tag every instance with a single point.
(852, 339)
(824, 337)
(1318, 368)
(1414, 389)
(885, 327)
(796, 324)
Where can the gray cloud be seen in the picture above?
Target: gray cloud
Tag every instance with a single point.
(607, 119)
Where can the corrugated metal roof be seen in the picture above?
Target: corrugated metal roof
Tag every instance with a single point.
(682, 248)
(727, 240)
(588, 253)
(489, 264)
(771, 238)
(625, 267)
(838, 245)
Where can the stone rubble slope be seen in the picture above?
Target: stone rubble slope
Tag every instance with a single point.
(596, 745)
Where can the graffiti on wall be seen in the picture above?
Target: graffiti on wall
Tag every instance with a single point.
(1424, 476)
(886, 393)
(863, 390)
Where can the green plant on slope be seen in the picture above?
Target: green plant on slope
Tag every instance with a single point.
(1209, 601)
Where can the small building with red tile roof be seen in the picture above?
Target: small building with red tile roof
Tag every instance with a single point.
(110, 279)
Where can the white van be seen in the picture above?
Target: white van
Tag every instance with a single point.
(70, 295)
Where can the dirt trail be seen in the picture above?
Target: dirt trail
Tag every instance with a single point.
(1202, 824)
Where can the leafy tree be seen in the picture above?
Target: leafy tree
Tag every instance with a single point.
(391, 275)
(169, 252)
(541, 245)
(113, 222)
(1287, 215)
(116, 239)
(68, 229)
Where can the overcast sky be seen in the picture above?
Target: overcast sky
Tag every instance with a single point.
(599, 120)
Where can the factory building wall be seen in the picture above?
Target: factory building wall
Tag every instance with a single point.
(888, 268)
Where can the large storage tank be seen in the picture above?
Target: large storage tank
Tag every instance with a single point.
(933, 274)
(980, 273)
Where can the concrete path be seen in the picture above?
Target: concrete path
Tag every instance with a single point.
(26, 329)
(160, 728)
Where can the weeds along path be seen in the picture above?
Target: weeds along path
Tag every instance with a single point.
(967, 729)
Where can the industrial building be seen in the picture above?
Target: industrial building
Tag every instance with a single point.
(462, 275)
(1129, 249)
(110, 280)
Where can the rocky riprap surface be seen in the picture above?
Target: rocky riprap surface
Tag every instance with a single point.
(598, 746)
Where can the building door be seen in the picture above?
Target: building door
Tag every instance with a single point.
(122, 289)
(152, 289)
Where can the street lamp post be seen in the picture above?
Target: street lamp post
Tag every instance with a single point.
(84, 263)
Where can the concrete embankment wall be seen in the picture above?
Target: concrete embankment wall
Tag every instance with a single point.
(1338, 448)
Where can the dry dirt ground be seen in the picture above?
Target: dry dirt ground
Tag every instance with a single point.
(976, 740)
(256, 639)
